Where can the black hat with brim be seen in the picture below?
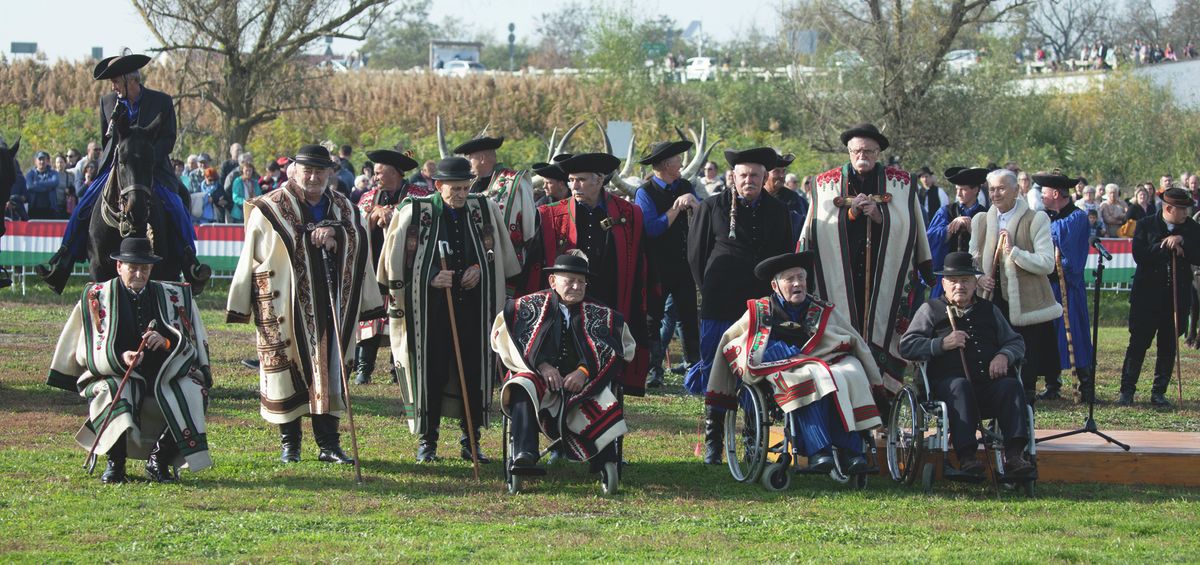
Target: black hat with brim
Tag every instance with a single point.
(664, 150)
(118, 66)
(868, 131)
(1054, 180)
(925, 170)
(1176, 196)
(567, 263)
(136, 250)
(479, 144)
(549, 171)
(767, 268)
(599, 163)
(396, 159)
(958, 264)
(453, 168)
(764, 156)
(314, 156)
(974, 176)
(784, 161)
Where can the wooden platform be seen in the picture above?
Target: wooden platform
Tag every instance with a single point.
(1157, 458)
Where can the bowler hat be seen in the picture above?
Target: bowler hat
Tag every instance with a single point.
(136, 250)
(314, 156)
(1176, 196)
(453, 168)
(568, 263)
(868, 131)
(958, 264)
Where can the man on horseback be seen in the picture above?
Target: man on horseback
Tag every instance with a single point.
(140, 106)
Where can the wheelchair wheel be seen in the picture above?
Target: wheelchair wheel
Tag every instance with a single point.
(746, 435)
(776, 477)
(610, 479)
(927, 473)
(905, 437)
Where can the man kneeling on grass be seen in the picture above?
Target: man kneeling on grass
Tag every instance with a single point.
(989, 348)
(562, 348)
(819, 368)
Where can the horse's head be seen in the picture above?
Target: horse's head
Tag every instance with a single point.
(134, 170)
(8, 165)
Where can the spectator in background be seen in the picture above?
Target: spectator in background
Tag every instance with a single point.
(272, 179)
(214, 197)
(245, 187)
(93, 156)
(197, 174)
(712, 182)
(1096, 228)
(729, 178)
(186, 176)
(1032, 193)
(229, 177)
(41, 189)
(1193, 187)
(66, 184)
(1113, 210)
(424, 175)
(1088, 203)
(344, 153)
(89, 175)
(235, 151)
(1143, 204)
(362, 183)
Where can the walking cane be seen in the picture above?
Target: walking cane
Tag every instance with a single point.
(89, 464)
(996, 265)
(1175, 315)
(337, 337)
(1062, 287)
(867, 285)
(954, 327)
(443, 251)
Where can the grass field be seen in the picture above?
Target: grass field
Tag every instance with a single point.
(251, 508)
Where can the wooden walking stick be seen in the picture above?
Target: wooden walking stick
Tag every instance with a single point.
(337, 337)
(954, 327)
(1175, 316)
(89, 464)
(444, 250)
(996, 265)
(867, 286)
(1062, 287)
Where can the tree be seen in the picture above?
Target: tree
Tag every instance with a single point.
(1066, 25)
(564, 36)
(402, 41)
(1142, 21)
(901, 83)
(246, 57)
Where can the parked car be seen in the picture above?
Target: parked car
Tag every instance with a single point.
(461, 68)
(699, 68)
(959, 60)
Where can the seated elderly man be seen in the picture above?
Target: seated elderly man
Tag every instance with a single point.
(562, 348)
(819, 368)
(970, 350)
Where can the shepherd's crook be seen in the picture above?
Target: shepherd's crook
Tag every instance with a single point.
(90, 463)
(337, 346)
(444, 250)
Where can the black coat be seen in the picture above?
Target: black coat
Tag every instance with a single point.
(724, 267)
(1150, 283)
(153, 104)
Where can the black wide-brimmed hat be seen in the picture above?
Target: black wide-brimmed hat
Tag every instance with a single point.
(1054, 180)
(118, 65)
(568, 263)
(868, 131)
(453, 168)
(1176, 196)
(549, 171)
(767, 268)
(784, 161)
(136, 250)
(479, 144)
(599, 163)
(396, 159)
(314, 156)
(973, 176)
(764, 156)
(958, 264)
(664, 150)
(925, 170)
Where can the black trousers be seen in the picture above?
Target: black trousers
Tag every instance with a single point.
(1144, 325)
(683, 293)
(523, 426)
(441, 376)
(969, 402)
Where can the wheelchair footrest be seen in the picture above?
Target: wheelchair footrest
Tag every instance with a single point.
(952, 474)
(1020, 479)
(527, 471)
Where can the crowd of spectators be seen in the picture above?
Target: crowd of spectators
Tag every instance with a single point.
(1100, 55)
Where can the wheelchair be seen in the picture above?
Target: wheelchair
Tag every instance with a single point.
(515, 477)
(748, 444)
(917, 428)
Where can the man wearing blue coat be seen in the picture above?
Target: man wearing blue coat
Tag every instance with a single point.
(950, 228)
(1069, 231)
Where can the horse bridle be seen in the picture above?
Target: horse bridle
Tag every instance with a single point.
(120, 217)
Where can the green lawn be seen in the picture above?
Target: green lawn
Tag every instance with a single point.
(251, 508)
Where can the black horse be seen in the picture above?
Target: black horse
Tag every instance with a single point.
(8, 175)
(128, 206)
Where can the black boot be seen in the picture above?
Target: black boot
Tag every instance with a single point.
(325, 430)
(194, 272)
(714, 435)
(365, 352)
(1085, 387)
(427, 447)
(158, 466)
(465, 452)
(1158, 391)
(1131, 369)
(114, 471)
(289, 437)
(1053, 388)
(56, 273)
(656, 378)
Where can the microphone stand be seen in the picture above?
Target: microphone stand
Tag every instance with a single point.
(1089, 424)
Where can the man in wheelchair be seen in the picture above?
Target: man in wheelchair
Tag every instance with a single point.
(819, 368)
(563, 352)
(970, 350)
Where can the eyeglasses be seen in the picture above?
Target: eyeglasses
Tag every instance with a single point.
(864, 152)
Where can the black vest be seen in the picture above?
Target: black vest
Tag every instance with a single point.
(667, 253)
(982, 344)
